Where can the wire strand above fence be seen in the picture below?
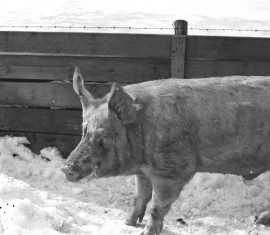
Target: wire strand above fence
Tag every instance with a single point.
(129, 28)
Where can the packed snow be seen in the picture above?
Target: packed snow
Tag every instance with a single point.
(35, 198)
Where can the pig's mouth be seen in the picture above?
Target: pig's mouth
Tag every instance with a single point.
(72, 175)
(95, 173)
(75, 174)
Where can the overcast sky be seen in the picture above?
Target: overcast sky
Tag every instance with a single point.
(236, 14)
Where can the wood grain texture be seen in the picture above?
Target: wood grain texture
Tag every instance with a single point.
(138, 45)
(180, 27)
(48, 121)
(212, 68)
(57, 95)
(35, 73)
(64, 143)
(178, 57)
(99, 69)
(228, 48)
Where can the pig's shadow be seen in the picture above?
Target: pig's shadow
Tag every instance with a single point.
(164, 231)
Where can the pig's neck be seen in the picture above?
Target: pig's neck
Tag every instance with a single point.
(133, 157)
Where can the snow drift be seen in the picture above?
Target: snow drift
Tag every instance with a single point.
(36, 199)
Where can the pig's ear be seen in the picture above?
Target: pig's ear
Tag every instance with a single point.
(123, 105)
(78, 85)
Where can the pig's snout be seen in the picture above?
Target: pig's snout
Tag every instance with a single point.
(72, 173)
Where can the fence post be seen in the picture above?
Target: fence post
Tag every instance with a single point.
(179, 49)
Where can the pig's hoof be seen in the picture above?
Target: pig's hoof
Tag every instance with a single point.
(151, 231)
(131, 222)
(263, 218)
(147, 232)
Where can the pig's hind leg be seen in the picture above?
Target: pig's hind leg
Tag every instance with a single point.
(142, 197)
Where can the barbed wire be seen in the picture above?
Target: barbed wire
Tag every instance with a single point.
(84, 27)
(237, 30)
(129, 28)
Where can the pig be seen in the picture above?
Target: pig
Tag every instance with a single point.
(165, 131)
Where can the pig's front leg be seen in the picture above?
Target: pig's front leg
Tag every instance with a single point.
(165, 192)
(142, 197)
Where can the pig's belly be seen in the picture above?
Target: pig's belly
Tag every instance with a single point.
(248, 157)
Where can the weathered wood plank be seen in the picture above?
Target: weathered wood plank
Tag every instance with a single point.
(35, 73)
(178, 56)
(64, 143)
(59, 95)
(41, 120)
(228, 48)
(214, 68)
(99, 69)
(142, 45)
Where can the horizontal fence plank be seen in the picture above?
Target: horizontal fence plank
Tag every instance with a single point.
(47, 121)
(64, 143)
(99, 69)
(212, 68)
(78, 55)
(142, 45)
(58, 95)
(35, 73)
(228, 48)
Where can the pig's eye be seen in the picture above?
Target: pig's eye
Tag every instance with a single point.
(86, 160)
(101, 143)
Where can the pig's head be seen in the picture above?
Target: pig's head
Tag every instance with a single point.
(103, 149)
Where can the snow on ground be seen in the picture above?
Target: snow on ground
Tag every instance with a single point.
(36, 199)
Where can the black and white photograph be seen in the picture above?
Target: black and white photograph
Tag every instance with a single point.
(134, 117)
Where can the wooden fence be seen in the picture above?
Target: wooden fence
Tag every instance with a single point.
(36, 95)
